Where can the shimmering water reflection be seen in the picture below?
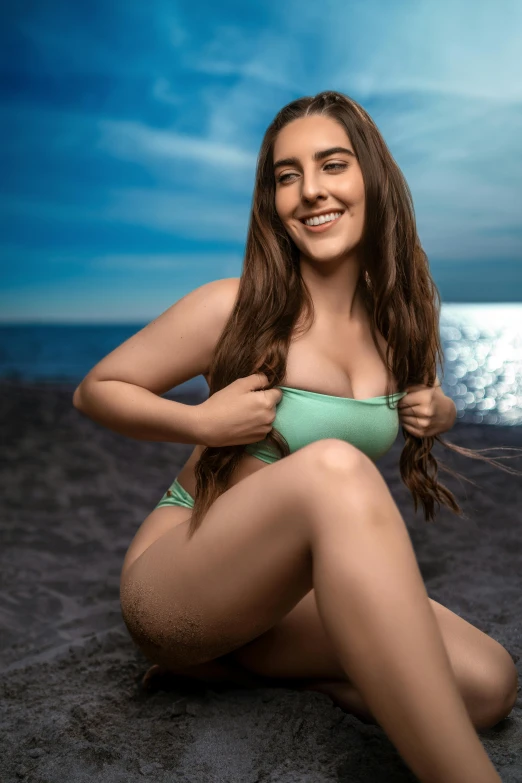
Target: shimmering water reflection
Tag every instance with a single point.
(483, 361)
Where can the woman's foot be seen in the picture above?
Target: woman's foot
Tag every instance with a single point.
(212, 672)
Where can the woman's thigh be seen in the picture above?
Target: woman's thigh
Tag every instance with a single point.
(155, 525)
(299, 647)
(187, 601)
(295, 647)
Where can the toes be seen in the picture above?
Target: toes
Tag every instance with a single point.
(211, 673)
(150, 675)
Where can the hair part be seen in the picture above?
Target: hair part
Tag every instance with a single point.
(274, 304)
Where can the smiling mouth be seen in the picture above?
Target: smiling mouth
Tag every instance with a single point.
(322, 226)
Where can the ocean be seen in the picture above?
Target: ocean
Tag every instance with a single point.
(482, 346)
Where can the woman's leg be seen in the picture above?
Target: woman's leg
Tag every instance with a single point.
(323, 517)
(375, 608)
(299, 647)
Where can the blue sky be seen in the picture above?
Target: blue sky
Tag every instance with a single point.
(130, 132)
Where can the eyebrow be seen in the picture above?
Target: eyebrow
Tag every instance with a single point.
(316, 156)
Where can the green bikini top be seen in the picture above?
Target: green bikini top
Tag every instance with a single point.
(303, 417)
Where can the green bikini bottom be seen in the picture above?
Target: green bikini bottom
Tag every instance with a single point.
(176, 496)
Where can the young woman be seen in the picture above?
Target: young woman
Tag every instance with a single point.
(303, 567)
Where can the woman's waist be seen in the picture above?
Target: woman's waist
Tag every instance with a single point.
(247, 465)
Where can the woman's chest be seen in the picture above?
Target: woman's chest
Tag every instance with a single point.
(336, 360)
(328, 359)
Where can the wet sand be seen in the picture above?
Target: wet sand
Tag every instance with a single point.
(73, 495)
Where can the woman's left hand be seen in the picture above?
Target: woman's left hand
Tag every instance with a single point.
(425, 410)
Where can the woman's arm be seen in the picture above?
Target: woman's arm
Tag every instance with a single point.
(137, 413)
(123, 391)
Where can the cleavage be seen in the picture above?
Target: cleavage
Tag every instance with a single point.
(343, 365)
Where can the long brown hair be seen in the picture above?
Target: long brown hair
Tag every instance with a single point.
(395, 285)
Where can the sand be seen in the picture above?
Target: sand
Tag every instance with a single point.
(73, 709)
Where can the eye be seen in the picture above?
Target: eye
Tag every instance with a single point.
(336, 165)
(284, 177)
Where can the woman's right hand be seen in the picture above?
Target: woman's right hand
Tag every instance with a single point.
(240, 413)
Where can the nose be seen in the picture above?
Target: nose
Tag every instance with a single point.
(312, 188)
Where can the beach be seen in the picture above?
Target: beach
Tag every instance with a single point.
(73, 496)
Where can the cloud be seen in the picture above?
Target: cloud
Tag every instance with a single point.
(162, 91)
(182, 215)
(157, 126)
(185, 215)
(256, 53)
(228, 264)
(82, 260)
(464, 49)
(22, 209)
(136, 141)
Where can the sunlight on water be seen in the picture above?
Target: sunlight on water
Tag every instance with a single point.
(482, 346)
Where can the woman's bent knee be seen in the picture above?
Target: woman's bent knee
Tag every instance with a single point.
(336, 458)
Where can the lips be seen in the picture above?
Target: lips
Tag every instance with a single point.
(320, 214)
(323, 226)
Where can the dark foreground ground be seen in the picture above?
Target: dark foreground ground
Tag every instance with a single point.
(73, 495)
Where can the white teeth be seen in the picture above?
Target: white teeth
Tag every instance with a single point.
(316, 221)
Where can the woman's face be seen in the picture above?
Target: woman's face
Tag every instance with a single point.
(331, 184)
